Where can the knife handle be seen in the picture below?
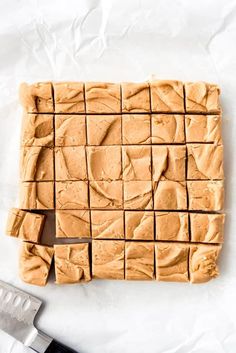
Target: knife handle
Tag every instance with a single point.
(56, 347)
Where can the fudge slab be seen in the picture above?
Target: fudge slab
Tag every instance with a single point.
(136, 163)
(205, 195)
(139, 261)
(135, 97)
(136, 129)
(172, 226)
(106, 194)
(203, 128)
(138, 195)
(70, 163)
(207, 228)
(37, 195)
(70, 130)
(71, 195)
(34, 263)
(108, 259)
(104, 130)
(167, 128)
(107, 224)
(37, 130)
(69, 97)
(170, 195)
(37, 98)
(139, 225)
(72, 224)
(72, 263)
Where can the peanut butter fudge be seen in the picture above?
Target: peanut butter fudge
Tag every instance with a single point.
(107, 224)
(37, 98)
(69, 97)
(70, 163)
(106, 194)
(139, 225)
(72, 224)
(135, 97)
(37, 130)
(72, 263)
(167, 128)
(167, 96)
(205, 195)
(207, 228)
(104, 130)
(37, 195)
(108, 259)
(136, 129)
(136, 162)
(203, 262)
(138, 195)
(35, 262)
(172, 226)
(71, 195)
(172, 262)
(170, 195)
(203, 128)
(139, 261)
(70, 130)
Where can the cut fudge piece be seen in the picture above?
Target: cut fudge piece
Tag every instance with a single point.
(106, 194)
(139, 261)
(104, 163)
(104, 130)
(25, 225)
(203, 262)
(69, 97)
(36, 164)
(136, 162)
(70, 130)
(37, 98)
(138, 195)
(72, 224)
(172, 226)
(205, 161)
(168, 163)
(72, 263)
(202, 97)
(37, 195)
(170, 195)
(172, 262)
(139, 225)
(207, 228)
(205, 195)
(135, 97)
(167, 128)
(136, 129)
(70, 163)
(107, 224)
(71, 195)
(102, 97)
(108, 259)
(167, 96)
(37, 130)
(35, 262)
(203, 128)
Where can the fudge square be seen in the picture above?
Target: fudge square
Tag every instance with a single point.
(172, 226)
(106, 194)
(205, 195)
(37, 130)
(72, 263)
(71, 195)
(207, 228)
(139, 260)
(70, 163)
(104, 130)
(138, 195)
(203, 128)
(70, 130)
(136, 162)
(107, 224)
(69, 97)
(72, 224)
(108, 259)
(139, 225)
(136, 129)
(135, 97)
(37, 98)
(170, 195)
(168, 128)
(37, 195)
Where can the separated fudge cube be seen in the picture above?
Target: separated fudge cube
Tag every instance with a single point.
(136, 162)
(202, 97)
(168, 163)
(104, 130)
(203, 128)
(107, 224)
(138, 195)
(139, 225)
(71, 195)
(70, 163)
(205, 161)
(106, 194)
(102, 97)
(70, 130)
(108, 259)
(172, 262)
(135, 97)
(69, 97)
(172, 226)
(36, 164)
(205, 195)
(72, 224)
(139, 261)
(37, 130)
(104, 163)
(207, 228)
(136, 129)
(37, 98)
(14, 221)
(203, 262)
(170, 195)
(72, 263)
(35, 262)
(167, 96)
(37, 195)
(167, 128)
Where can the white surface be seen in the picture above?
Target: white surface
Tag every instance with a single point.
(122, 40)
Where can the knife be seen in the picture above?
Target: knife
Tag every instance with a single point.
(17, 313)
